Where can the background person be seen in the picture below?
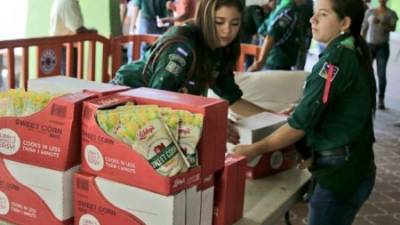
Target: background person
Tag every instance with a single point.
(252, 18)
(335, 116)
(182, 10)
(378, 23)
(282, 38)
(66, 19)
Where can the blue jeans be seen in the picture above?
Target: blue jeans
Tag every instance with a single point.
(328, 208)
(381, 53)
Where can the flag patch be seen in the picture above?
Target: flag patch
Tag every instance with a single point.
(178, 58)
(173, 68)
(324, 71)
(182, 51)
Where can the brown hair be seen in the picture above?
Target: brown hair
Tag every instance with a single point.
(205, 22)
(355, 10)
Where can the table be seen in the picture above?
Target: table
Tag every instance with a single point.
(268, 199)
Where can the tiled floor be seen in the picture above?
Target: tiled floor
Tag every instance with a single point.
(383, 206)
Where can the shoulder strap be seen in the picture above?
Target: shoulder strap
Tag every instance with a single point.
(160, 47)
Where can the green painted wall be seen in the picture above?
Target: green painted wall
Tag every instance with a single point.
(395, 5)
(102, 15)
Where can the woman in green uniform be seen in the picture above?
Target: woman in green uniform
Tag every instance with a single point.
(195, 57)
(282, 38)
(334, 116)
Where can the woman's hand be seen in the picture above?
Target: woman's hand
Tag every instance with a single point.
(288, 110)
(248, 151)
(233, 134)
(256, 66)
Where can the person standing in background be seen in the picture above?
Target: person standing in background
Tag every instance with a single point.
(150, 10)
(252, 18)
(306, 12)
(182, 10)
(282, 38)
(149, 22)
(66, 19)
(377, 25)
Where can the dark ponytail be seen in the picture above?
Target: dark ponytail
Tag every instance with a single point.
(355, 10)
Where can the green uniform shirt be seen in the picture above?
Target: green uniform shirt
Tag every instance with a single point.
(283, 27)
(345, 119)
(150, 9)
(170, 70)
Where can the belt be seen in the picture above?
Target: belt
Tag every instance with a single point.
(342, 151)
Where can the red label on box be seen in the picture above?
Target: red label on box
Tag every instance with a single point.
(90, 208)
(49, 138)
(20, 205)
(273, 162)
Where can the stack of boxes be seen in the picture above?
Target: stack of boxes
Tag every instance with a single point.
(229, 191)
(117, 184)
(39, 155)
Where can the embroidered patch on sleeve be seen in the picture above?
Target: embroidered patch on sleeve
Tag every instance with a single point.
(177, 58)
(324, 71)
(182, 51)
(284, 20)
(173, 68)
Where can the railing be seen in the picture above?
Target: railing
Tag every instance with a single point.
(50, 50)
(247, 50)
(135, 42)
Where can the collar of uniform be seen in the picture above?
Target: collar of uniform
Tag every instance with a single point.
(334, 43)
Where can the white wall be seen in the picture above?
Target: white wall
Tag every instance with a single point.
(13, 18)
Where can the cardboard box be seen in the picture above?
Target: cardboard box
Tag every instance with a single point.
(63, 84)
(49, 138)
(212, 145)
(110, 158)
(35, 195)
(102, 201)
(199, 206)
(254, 128)
(207, 202)
(258, 126)
(229, 191)
(274, 162)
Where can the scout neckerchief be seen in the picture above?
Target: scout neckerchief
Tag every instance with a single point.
(328, 83)
(156, 54)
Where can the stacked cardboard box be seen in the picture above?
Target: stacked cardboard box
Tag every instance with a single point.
(39, 155)
(229, 191)
(114, 169)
